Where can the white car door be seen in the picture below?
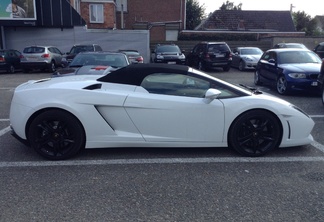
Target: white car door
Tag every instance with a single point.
(173, 118)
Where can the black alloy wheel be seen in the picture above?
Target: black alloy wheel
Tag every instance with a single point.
(52, 67)
(255, 133)
(56, 135)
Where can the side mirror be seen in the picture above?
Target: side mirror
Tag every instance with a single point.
(211, 94)
(272, 61)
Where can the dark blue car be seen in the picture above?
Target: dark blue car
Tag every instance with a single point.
(289, 70)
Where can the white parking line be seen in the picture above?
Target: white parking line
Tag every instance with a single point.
(160, 161)
(4, 131)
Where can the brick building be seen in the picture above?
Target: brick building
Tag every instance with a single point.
(164, 18)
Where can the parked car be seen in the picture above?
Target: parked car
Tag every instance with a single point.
(133, 55)
(208, 55)
(319, 50)
(289, 45)
(168, 53)
(100, 58)
(246, 57)
(9, 60)
(289, 70)
(321, 81)
(76, 49)
(152, 105)
(41, 57)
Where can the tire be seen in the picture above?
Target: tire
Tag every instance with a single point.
(241, 66)
(255, 133)
(282, 85)
(226, 68)
(56, 135)
(201, 66)
(323, 95)
(11, 69)
(52, 67)
(257, 78)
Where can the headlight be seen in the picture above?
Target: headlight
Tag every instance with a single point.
(247, 59)
(297, 75)
(300, 110)
(182, 56)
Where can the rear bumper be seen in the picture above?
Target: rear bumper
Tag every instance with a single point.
(35, 65)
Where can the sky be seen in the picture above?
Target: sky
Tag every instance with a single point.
(310, 7)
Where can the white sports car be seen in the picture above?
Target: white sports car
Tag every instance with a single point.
(152, 105)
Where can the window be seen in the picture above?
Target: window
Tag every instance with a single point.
(176, 85)
(96, 13)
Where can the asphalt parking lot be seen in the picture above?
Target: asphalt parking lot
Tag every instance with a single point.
(162, 184)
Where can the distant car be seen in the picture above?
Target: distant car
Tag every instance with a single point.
(321, 81)
(168, 53)
(81, 48)
(289, 45)
(133, 55)
(41, 57)
(152, 105)
(319, 50)
(246, 57)
(289, 70)
(115, 60)
(208, 55)
(10, 60)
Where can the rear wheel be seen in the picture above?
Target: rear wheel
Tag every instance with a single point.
(11, 69)
(56, 135)
(52, 67)
(255, 133)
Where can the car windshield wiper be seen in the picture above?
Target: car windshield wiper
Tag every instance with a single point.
(252, 89)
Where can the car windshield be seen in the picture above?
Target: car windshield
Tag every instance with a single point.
(167, 48)
(114, 60)
(251, 52)
(217, 48)
(34, 50)
(298, 57)
(83, 48)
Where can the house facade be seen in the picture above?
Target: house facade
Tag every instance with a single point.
(164, 18)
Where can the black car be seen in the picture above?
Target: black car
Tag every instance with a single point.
(321, 81)
(208, 55)
(81, 48)
(319, 50)
(10, 60)
(168, 53)
(289, 45)
(289, 70)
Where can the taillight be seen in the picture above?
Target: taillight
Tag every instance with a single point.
(139, 59)
(46, 56)
(2, 59)
(21, 57)
(207, 56)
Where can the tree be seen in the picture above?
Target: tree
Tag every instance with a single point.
(195, 14)
(230, 6)
(304, 23)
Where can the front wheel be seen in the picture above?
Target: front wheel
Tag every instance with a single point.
(241, 66)
(282, 85)
(255, 133)
(56, 135)
(52, 67)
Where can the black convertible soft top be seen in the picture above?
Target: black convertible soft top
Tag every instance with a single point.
(135, 73)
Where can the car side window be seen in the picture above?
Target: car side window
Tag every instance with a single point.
(175, 85)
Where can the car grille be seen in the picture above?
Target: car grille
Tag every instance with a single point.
(313, 76)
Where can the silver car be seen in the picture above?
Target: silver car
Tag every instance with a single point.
(245, 58)
(41, 57)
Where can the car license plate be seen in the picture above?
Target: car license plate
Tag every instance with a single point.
(172, 63)
(220, 55)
